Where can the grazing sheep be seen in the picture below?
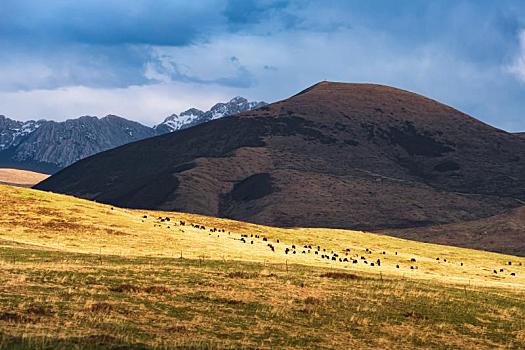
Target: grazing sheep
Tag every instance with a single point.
(378, 262)
(437, 259)
(243, 240)
(461, 264)
(333, 258)
(316, 252)
(372, 264)
(182, 223)
(510, 262)
(397, 266)
(354, 261)
(500, 270)
(495, 271)
(413, 260)
(294, 251)
(277, 241)
(345, 260)
(293, 246)
(513, 274)
(411, 267)
(251, 242)
(145, 217)
(265, 239)
(304, 252)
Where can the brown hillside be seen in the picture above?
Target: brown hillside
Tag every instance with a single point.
(335, 155)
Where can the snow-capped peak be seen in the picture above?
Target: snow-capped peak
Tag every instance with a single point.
(194, 116)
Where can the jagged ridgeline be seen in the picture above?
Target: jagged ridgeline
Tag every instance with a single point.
(48, 146)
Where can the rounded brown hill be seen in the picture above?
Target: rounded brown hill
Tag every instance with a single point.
(335, 155)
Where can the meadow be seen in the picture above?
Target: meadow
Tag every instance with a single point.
(82, 275)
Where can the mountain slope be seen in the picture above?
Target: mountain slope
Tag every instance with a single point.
(48, 146)
(339, 155)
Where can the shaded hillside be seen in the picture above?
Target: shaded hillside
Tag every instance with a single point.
(503, 233)
(336, 155)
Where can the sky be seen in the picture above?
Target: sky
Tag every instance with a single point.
(147, 59)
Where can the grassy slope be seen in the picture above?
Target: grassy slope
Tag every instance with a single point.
(80, 273)
(19, 177)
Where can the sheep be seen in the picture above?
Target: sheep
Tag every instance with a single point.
(145, 217)
(513, 274)
(397, 266)
(345, 260)
(316, 252)
(354, 261)
(243, 240)
(372, 264)
(182, 223)
(265, 239)
(333, 258)
(378, 262)
(413, 260)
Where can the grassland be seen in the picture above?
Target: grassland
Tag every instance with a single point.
(19, 177)
(77, 274)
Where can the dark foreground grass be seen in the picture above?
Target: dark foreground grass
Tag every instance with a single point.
(55, 300)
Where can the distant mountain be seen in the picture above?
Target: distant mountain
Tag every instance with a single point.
(194, 116)
(358, 156)
(48, 146)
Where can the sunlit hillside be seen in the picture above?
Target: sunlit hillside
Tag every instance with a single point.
(78, 273)
(19, 177)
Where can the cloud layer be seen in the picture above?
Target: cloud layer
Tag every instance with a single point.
(145, 60)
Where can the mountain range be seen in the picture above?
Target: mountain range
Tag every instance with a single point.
(48, 146)
(338, 155)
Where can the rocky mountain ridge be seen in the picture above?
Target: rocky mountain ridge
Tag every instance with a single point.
(48, 146)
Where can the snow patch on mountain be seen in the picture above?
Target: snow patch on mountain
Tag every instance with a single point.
(194, 116)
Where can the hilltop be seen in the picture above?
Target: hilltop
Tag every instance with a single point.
(356, 156)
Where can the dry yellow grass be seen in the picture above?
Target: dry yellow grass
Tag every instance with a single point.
(74, 225)
(78, 274)
(19, 177)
